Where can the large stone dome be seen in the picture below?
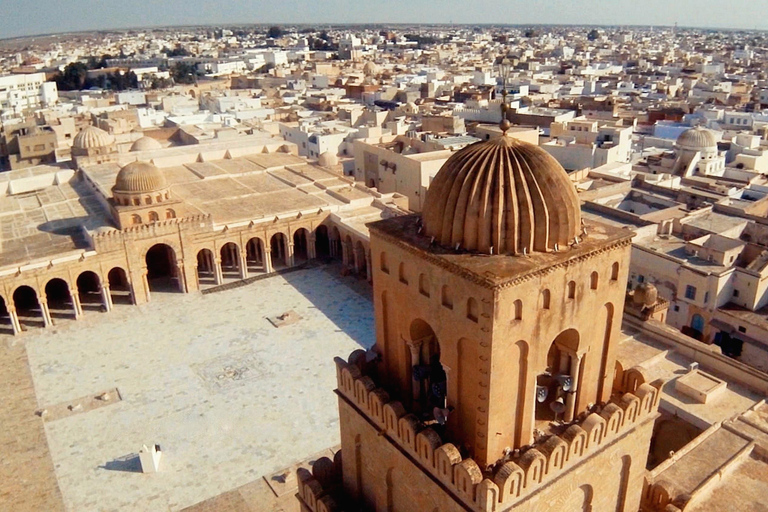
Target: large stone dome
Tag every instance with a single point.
(146, 144)
(91, 137)
(502, 196)
(697, 139)
(139, 177)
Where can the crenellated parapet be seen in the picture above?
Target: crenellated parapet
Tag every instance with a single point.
(513, 478)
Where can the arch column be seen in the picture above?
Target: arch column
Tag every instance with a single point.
(218, 275)
(289, 254)
(106, 298)
(345, 253)
(575, 370)
(15, 324)
(76, 302)
(415, 348)
(268, 258)
(145, 280)
(42, 300)
(243, 264)
(311, 249)
(368, 273)
(181, 274)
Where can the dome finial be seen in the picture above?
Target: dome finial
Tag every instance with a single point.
(505, 125)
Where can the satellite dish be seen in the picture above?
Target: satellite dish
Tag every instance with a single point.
(541, 393)
(566, 382)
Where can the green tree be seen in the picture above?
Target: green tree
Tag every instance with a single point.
(73, 78)
(274, 32)
(183, 73)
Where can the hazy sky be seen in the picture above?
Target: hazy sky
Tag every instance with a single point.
(25, 17)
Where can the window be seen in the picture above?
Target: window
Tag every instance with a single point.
(676, 308)
(742, 329)
(545, 298)
(447, 299)
(384, 266)
(572, 289)
(706, 297)
(735, 293)
(518, 310)
(615, 272)
(153, 217)
(135, 219)
(170, 214)
(690, 292)
(136, 201)
(472, 309)
(423, 285)
(593, 281)
(640, 278)
(403, 277)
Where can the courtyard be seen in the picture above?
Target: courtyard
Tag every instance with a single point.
(228, 396)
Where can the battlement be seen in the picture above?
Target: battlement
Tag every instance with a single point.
(160, 225)
(516, 477)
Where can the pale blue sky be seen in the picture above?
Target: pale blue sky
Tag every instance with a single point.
(24, 17)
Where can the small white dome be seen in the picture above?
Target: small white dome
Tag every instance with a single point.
(146, 144)
(328, 159)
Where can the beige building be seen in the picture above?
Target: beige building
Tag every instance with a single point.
(494, 382)
(125, 225)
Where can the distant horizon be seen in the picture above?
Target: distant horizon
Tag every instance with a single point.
(62, 17)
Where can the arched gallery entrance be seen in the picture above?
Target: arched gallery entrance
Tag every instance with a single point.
(162, 272)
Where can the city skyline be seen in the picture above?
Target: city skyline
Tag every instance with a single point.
(62, 17)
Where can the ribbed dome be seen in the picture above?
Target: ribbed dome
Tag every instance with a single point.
(138, 177)
(146, 144)
(502, 196)
(696, 139)
(92, 137)
(370, 68)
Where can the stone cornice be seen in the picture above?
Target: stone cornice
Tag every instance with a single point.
(501, 283)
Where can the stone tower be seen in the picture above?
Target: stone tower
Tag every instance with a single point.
(492, 387)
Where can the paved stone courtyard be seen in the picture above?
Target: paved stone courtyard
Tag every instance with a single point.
(227, 396)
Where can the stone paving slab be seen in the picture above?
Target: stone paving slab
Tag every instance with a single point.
(214, 438)
(27, 477)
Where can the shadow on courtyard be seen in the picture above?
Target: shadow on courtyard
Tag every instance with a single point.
(352, 315)
(129, 463)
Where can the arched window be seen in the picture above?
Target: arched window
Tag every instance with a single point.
(423, 285)
(615, 272)
(136, 201)
(153, 217)
(167, 196)
(135, 219)
(545, 299)
(148, 199)
(472, 309)
(403, 276)
(384, 265)
(572, 289)
(593, 281)
(517, 310)
(170, 214)
(159, 199)
(446, 297)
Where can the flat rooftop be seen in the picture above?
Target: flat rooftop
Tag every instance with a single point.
(659, 361)
(227, 396)
(247, 188)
